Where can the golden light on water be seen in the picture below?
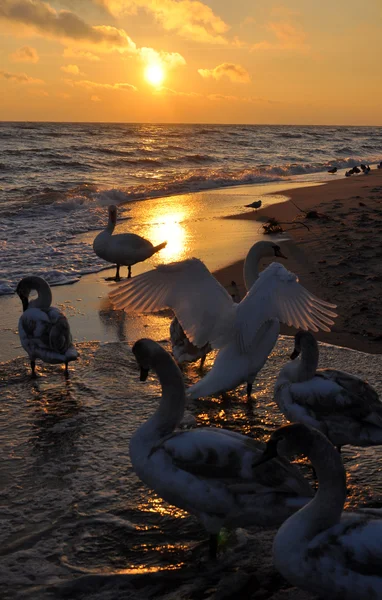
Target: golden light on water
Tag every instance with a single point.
(154, 74)
(169, 227)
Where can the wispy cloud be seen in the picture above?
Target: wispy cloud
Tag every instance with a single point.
(170, 59)
(25, 54)
(233, 71)
(78, 53)
(71, 70)
(288, 37)
(190, 19)
(20, 78)
(95, 99)
(170, 92)
(94, 85)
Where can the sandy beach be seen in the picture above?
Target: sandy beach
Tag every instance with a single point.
(79, 439)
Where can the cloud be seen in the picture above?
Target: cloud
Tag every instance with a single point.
(95, 99)
(170, 59)
(93, 85)
(25, 54)
(168, 91)
(71, 69)
(41, 17)
(77, 53)
(234, 72)
(288, 36)
(190, 19)
(20, 78)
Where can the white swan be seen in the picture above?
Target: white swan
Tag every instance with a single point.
(334, 554)
(208, 471)
(246, 332)
(343, 406)
(44, 330)
(122, 248)
(182, 349)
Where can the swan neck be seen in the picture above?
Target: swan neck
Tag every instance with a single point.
(44, 295)
(325, 510)
(251, 266)
(308, 362)
(171, 407)
(110, 226)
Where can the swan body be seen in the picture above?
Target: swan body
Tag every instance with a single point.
(247, 331)
(122, 248)
(342, 406)
(44, 330)
(334, 554)
(208, 471)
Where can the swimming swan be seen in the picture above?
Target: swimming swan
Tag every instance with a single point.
(208, 471)
(246, 332)
(44, 330)
(342, 406)
(334, 554)
(122, 248)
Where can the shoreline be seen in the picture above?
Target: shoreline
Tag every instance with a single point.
(350, 260)
(225, 234)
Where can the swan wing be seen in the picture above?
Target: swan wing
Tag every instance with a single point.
(354, 544)
(277, 294)
(333, 393)
(203, 307)
(215, 453)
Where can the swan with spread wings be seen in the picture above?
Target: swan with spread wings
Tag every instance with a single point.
(244, 333)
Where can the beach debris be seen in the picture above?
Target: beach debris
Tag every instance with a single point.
(314, 214)
(333, 171)
(272, 226)
(256, 204)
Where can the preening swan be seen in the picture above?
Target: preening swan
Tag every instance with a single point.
(208, 471)
(246, 332)
(44, 330)
(334, 554)
(122, 248)
(342, 406)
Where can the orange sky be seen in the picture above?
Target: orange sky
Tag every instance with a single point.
(299, 61)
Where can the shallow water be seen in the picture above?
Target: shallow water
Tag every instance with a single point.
(57, 178)
(76, 521)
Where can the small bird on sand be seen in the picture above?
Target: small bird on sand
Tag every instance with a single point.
(332, 171)
(349, 173)
(256, 204)
(366, 169)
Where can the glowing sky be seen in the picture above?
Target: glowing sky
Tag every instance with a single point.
(218, 61)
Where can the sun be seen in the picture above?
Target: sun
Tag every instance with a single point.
(154, 74)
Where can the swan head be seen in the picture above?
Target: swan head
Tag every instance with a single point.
(265, 248)
(291, 440)
(112, 214)
(303, 340)
(26, 285)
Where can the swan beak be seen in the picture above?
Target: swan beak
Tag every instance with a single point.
(269, 453)
(280, 254)
(294, 354)
(143, 374)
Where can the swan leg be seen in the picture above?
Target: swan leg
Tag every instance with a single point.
(33, 367)
(117, 277)
(213, 545)
(66, 369)
(249, 390)
(129, 272)
(202, 361)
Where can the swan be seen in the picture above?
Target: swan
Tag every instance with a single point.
(334, 554)
(208, 471)
(342, 406)
(245, 333)
(182, 349)
(122, 248)
(43, 329)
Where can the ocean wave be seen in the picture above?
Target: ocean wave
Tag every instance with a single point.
(292, 136)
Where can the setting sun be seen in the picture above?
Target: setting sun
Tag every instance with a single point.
(154, 74)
